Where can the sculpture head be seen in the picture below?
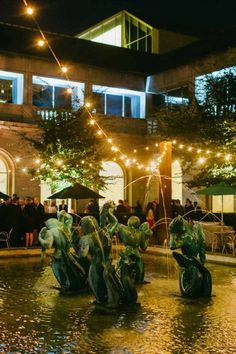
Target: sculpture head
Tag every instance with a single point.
(89, 224)
(51, 223)
(178, 228)
(133, 221)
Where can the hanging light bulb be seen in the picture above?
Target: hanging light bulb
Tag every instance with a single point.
(64, 69)
(29, 10)
(41, 43)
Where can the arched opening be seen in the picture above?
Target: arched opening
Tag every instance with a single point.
(115, 182)
(7, 173)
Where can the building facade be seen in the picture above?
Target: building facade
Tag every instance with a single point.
(121, 85)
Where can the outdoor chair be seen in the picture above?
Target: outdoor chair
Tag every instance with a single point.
(5, 237)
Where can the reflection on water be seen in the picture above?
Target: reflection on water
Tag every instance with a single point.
(36, 318)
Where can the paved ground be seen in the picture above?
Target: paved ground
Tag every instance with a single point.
(219, 258)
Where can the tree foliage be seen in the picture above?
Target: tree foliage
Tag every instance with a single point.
(207, 122)
(69, 151)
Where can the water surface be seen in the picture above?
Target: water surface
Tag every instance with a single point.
(36, 318)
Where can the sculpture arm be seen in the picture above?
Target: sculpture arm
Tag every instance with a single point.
(46, 238)
(201, 242)
(146, 233)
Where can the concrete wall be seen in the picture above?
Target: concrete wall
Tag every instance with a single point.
(184, 74)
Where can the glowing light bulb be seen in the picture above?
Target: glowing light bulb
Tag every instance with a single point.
(37, 161)
(190, 148)
(109, 140)
(122, 157)
(218, 154)
(181, 146)
(59, 162)
(17, 159)
(29, 10)
(156, 144)
(134, 160)
(174, 142)
(146, 148)
(208, 152)
(227, 157)
(99, 132)
(23, 170)
(201, 160)
(41, 43)
(92, 121)
(198, 151)
(64, 69)
(88, 104)
(69, 90)
(135, 151)
(82, 161)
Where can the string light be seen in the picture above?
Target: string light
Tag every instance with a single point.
(64, 69)
(29, 10)
(41, 43)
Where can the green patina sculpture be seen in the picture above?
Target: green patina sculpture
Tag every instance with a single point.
(134, 236)
(65, 265)
(111, 287)
(102, 277)
(195, 279)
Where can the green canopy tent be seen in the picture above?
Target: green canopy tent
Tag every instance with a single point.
(219, 189)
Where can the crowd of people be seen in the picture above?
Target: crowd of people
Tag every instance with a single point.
(191, 210)
(24, 218)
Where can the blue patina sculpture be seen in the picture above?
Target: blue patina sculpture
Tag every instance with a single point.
(65, 265)
(195, 279)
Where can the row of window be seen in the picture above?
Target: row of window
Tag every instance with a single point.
(54, 94)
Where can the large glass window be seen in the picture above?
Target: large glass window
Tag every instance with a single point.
(119, 102)
(115, 182)
(11, 87)
(53, 93)
(229, 87)
(138, 35)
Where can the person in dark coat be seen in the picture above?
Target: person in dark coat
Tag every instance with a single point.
(29, 217)
(39, 217)
(63, 206)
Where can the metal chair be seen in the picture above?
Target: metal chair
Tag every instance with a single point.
(5, 237)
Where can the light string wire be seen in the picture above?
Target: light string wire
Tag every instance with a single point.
(153, 166)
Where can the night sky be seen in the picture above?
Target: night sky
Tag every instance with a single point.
(72, 16)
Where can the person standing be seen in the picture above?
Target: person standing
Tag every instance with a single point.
(63, 206)
(39, 218)
(29, 221)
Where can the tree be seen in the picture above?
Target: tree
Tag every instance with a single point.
(69, 151)
(209, 122)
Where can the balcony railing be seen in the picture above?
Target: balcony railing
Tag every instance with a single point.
(31, 114)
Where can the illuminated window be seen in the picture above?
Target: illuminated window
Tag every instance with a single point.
(3, 177)
(138, 35)
(53, 93)
(115, 183)
(201, 84)
(119, 102)
(176, 173)
(11, 87)
(122, 30)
